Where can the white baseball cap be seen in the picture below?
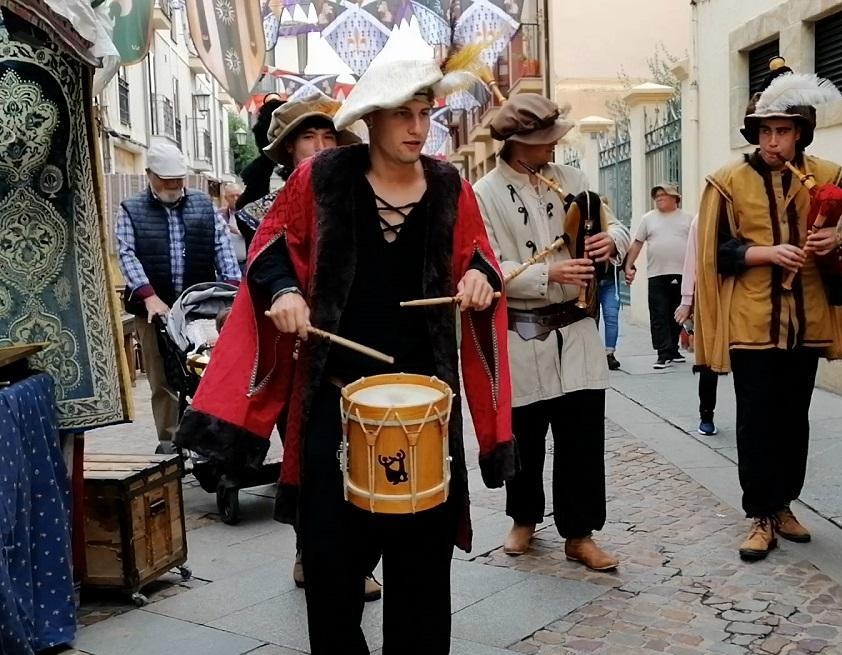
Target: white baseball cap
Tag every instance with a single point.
(166, 161)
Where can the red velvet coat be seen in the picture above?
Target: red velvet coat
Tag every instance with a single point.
(252, 377)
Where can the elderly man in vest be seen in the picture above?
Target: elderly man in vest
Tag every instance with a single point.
(169, 239)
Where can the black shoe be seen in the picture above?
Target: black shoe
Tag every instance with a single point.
(613, 364)
(678, 358)
(662, 362)
(165, 448)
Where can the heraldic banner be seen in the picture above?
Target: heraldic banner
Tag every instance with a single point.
(54, 286)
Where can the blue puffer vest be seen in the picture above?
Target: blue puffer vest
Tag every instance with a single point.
(152, 243)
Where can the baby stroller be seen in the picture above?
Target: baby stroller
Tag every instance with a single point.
(186, 339)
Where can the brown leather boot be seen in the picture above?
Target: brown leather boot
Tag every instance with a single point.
(517, 541)
(760, 540)
(788, 526)
(585, 550)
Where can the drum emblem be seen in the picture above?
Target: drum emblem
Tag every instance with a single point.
(394, 467)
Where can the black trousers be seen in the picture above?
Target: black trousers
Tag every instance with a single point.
(341, 544)
(774, 389)
(708, 381)
(578, 423)
(664, 299)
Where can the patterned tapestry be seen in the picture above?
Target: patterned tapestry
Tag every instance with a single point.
(53, 283)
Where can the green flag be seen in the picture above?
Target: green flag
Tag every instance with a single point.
(132, 27)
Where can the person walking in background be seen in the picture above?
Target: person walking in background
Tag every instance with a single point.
(708, 380)
(609, 303)
(664, 230)
(227, 212)
(169, 238)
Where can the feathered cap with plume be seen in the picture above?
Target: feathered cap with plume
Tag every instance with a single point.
(789, 95)
(394, 79)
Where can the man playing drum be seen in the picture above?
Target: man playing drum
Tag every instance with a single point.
(559, 371)
(355, 231)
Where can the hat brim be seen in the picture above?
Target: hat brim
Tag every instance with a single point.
(547, 135)
(277, 151)
(658, 187)
(171, 176)
(751, 127)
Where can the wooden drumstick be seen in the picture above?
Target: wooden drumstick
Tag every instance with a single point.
(441, 300)
(347, 343)
(351, 345)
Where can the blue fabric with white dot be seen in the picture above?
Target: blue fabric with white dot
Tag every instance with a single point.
(37, 608)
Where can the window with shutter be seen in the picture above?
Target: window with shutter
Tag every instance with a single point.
(828, 38)
(758, 64)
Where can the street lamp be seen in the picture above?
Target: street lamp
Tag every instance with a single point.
(240, 136)
(202, 102)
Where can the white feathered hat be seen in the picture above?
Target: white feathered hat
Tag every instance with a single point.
(393, 79)
(793, 96)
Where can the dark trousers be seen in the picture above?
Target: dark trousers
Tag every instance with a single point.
(578, 423)
(664, 299)
(708, 381)
(341, 544)
(774, 389)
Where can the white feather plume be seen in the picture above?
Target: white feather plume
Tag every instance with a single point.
(455, 81)
(796, 89)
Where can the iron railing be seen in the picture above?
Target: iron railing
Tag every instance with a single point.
(615, 183)
(663, 146)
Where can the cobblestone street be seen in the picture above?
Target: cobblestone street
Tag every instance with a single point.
(673, 519)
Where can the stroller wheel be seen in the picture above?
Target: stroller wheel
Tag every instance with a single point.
(228, 503)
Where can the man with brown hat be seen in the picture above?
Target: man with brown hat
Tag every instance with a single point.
(753, 234)
(297, 130)
(559, 372)
(664, 230)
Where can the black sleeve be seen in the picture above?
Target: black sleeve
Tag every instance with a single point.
(479, 264)
(731, 253)
(271, 272)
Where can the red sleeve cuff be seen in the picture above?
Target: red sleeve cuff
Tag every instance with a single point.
(144, 292)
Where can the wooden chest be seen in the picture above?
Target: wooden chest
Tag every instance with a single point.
(134, 520)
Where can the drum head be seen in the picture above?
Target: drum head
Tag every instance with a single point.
(396, 395)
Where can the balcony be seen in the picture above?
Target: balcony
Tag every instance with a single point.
(525, 66)
(480, 122)
(164, 117)
(162, 16)
(196, 65)
(123, 103)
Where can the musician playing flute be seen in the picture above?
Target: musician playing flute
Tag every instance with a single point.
(559, 370)
(355, 231)
(752, 229)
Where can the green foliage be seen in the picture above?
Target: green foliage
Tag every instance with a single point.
(244, 154)
(660, 66)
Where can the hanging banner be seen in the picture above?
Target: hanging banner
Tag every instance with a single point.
(228, 36)
(132, 21)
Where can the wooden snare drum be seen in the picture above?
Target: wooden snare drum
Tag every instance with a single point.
(395, 455)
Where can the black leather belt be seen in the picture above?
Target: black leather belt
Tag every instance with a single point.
(539, 323)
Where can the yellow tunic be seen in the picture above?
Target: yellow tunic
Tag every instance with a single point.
(751, 310)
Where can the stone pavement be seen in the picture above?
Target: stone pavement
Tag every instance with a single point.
(674, 519)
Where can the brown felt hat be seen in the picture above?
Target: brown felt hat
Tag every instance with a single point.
(532, 119)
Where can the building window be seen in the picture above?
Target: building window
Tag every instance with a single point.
(758, 64)
(828, 38)
(123, 97)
